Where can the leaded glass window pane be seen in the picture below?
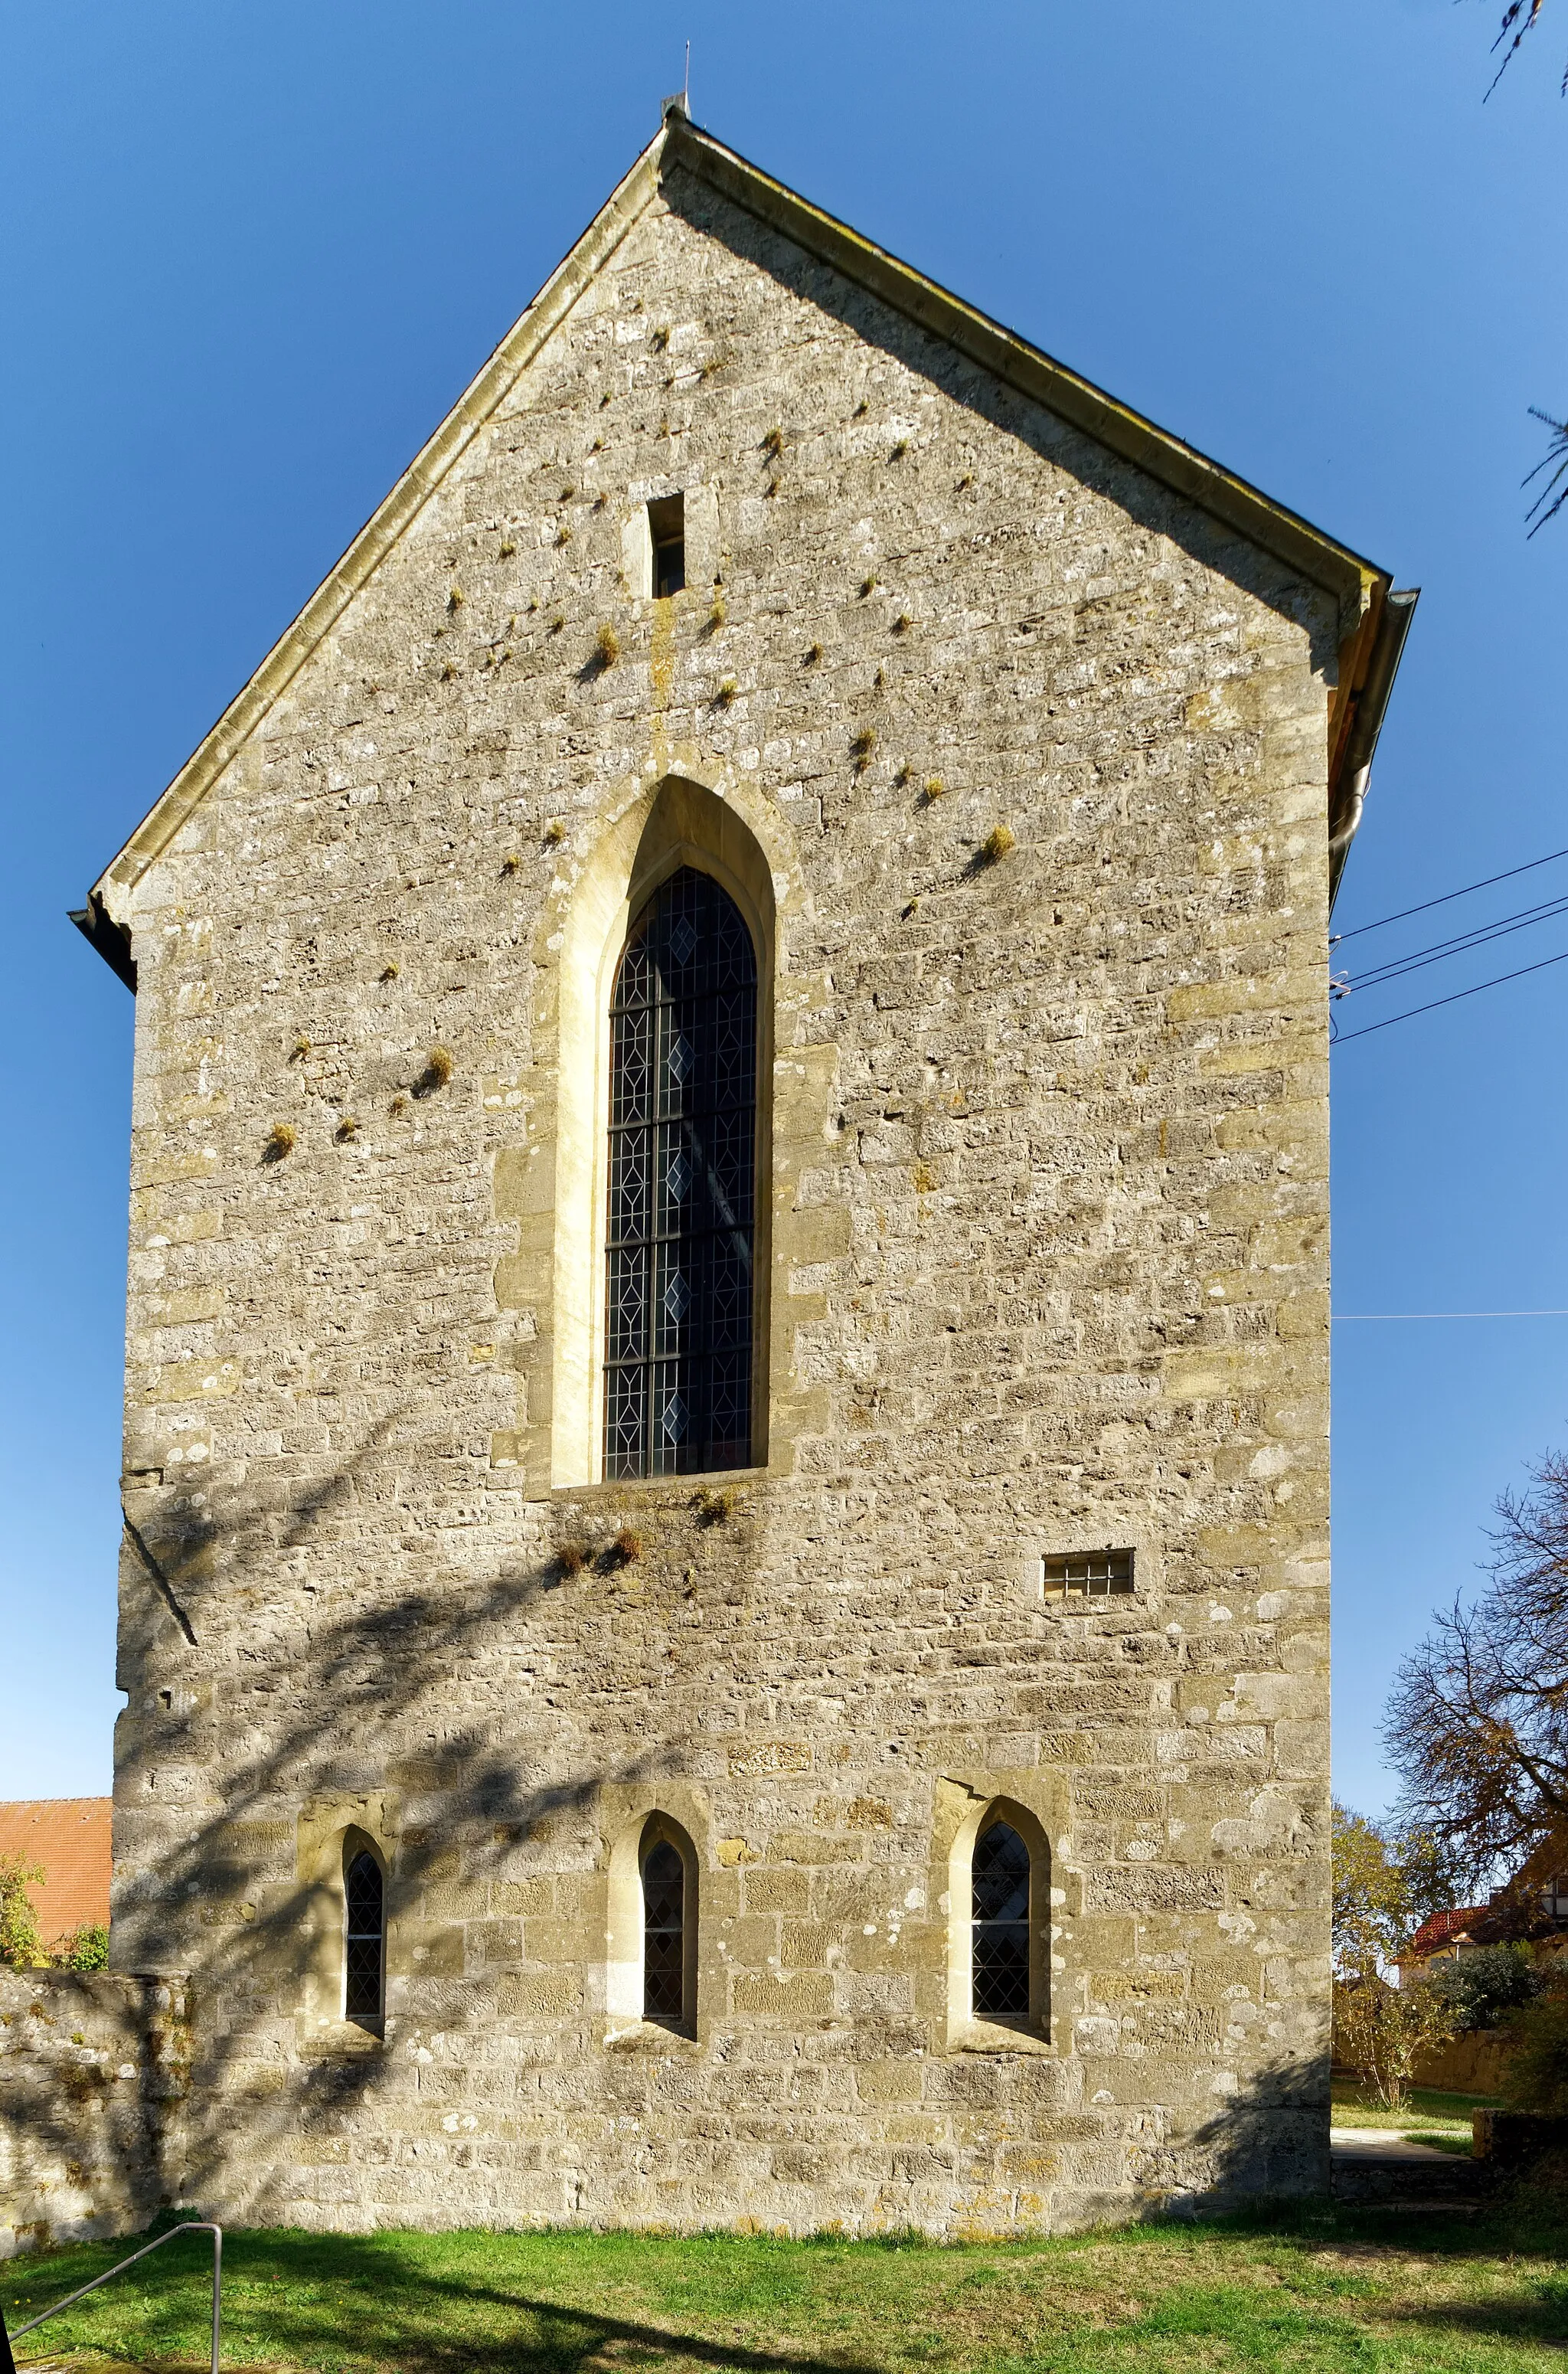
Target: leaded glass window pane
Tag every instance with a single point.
(682, 1158)
(1000, 1933)
(664, 1935)
(366, 1931)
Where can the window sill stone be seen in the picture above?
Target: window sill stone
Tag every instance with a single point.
(647, 2036)
(990, 2036)
(342, 2040)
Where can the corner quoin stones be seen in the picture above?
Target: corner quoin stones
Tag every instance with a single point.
(1044, 1266)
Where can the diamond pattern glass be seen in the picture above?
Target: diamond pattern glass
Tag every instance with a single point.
(364, 1931)
(682, 1158)
(663, 1935)
(1000, 1934)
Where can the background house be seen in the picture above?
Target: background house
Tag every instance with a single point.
(69, 1837)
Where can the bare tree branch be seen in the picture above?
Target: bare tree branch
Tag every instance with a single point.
(1518, 18)
(1477, 1720)
(1554, 494)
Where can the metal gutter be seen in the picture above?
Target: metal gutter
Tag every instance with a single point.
(1349, 788)
(112, 941)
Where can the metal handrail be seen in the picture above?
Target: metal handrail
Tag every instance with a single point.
(191, 2226)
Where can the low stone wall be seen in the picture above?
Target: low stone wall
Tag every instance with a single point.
(93, 2076)
(1471, 2065)
(1514, 2143)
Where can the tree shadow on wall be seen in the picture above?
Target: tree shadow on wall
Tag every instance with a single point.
(380, 1666)
(1268, 2144)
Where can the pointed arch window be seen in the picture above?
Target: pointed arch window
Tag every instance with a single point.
(364, 1976)
(999, 1925)
(664, 1935)
(682, 1172)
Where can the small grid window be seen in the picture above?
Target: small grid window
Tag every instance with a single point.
(999, 1925)
(1095, 1574)
(683, 1153)
(365, 1956)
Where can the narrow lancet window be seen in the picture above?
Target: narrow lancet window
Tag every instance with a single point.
(667, 535)
(664, 1935)
(683, 1157)
(1000, 1931)
(364, 1953)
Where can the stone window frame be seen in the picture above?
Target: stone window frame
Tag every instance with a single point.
(699, 536)
(965, 2032)
(697, 1239)
(680, 823)
(625, 1929)
(328, 1833)
(357, 1842)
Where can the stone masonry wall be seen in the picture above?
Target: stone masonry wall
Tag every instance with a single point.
(1046, 1268)
(92, 2085)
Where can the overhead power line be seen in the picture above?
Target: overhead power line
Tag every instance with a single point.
(1447, 897)
(1460, 945)
(1343, 1037)
(1449, 1314)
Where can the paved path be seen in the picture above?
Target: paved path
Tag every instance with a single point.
(1380, 2143)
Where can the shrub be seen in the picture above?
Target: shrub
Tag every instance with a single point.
(21, 1943)
(1535, 2073)
(85, 1948)
(1482, 1988)
(1380, 2031)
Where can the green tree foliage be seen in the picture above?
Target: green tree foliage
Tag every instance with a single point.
(1535, 2073)
(1484, 1987)
(1387, 1880)
(85, 1948)
(21, 1943)
(1381, 2031)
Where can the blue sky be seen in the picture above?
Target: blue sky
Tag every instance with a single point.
(253, 254)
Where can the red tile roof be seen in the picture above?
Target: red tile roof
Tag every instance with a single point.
(1442, 1928)
(69, 1835)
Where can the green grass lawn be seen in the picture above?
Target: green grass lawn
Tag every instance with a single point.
(1441, 2114)
(1320, 2292)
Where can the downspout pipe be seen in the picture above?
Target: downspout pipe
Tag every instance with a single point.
(1371, 704)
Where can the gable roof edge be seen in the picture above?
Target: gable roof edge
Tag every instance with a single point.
(1374, 620)
(1232, 499)
(382, 531)
(1371, 627)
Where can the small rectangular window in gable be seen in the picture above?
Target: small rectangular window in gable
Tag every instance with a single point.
(667, 534)
(1094, 1574)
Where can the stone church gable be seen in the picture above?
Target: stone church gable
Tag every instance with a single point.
(843, 273)
(1019, 745)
